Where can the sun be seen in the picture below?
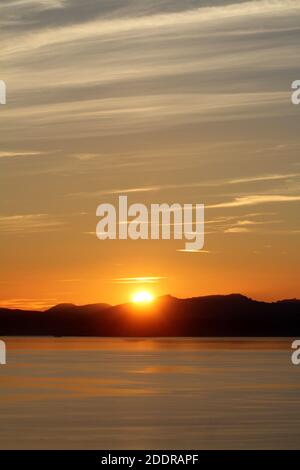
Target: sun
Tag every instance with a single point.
(142, 297)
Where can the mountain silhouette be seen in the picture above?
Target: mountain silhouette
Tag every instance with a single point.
(214, 315)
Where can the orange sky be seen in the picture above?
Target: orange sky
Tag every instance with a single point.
(165, 102)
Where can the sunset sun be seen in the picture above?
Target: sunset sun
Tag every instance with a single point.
(142, 297)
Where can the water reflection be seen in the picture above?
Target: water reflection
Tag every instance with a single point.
(149, 393)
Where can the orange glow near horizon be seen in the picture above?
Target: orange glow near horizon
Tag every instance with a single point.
(142, 297)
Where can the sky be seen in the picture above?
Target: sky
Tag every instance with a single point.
(163, 101)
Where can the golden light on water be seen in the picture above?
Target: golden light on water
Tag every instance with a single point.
(142, 297)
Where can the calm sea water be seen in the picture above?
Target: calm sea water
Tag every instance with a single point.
(149, 394)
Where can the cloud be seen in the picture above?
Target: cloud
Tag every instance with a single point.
(132, 114)
(177, 186)
(105, 192)
(141, 64)
(247, 222)
(252, 222)
(253, 179)
(28, 223)
(138, 280)
(135, 23)
(39, 4)
(20, 154)
(237, 230)
(255, 200)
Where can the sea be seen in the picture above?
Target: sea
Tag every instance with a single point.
(149, 393)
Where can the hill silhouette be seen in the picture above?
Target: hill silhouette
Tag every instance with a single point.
(215, 315)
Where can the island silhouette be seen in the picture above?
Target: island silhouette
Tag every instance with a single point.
(214, 315)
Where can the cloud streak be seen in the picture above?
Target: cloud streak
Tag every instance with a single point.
(138, 280)
(254, 200)
(122, 49)
(28, 223)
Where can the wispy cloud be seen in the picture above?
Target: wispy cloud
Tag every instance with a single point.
(237, 230)
(259, 178)
(206, 184)
(20, 154)
(28, 223)
(107, 192)
(152, 40)
(29, 4)
(253, 200)
(144, 24)
(138, 280)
